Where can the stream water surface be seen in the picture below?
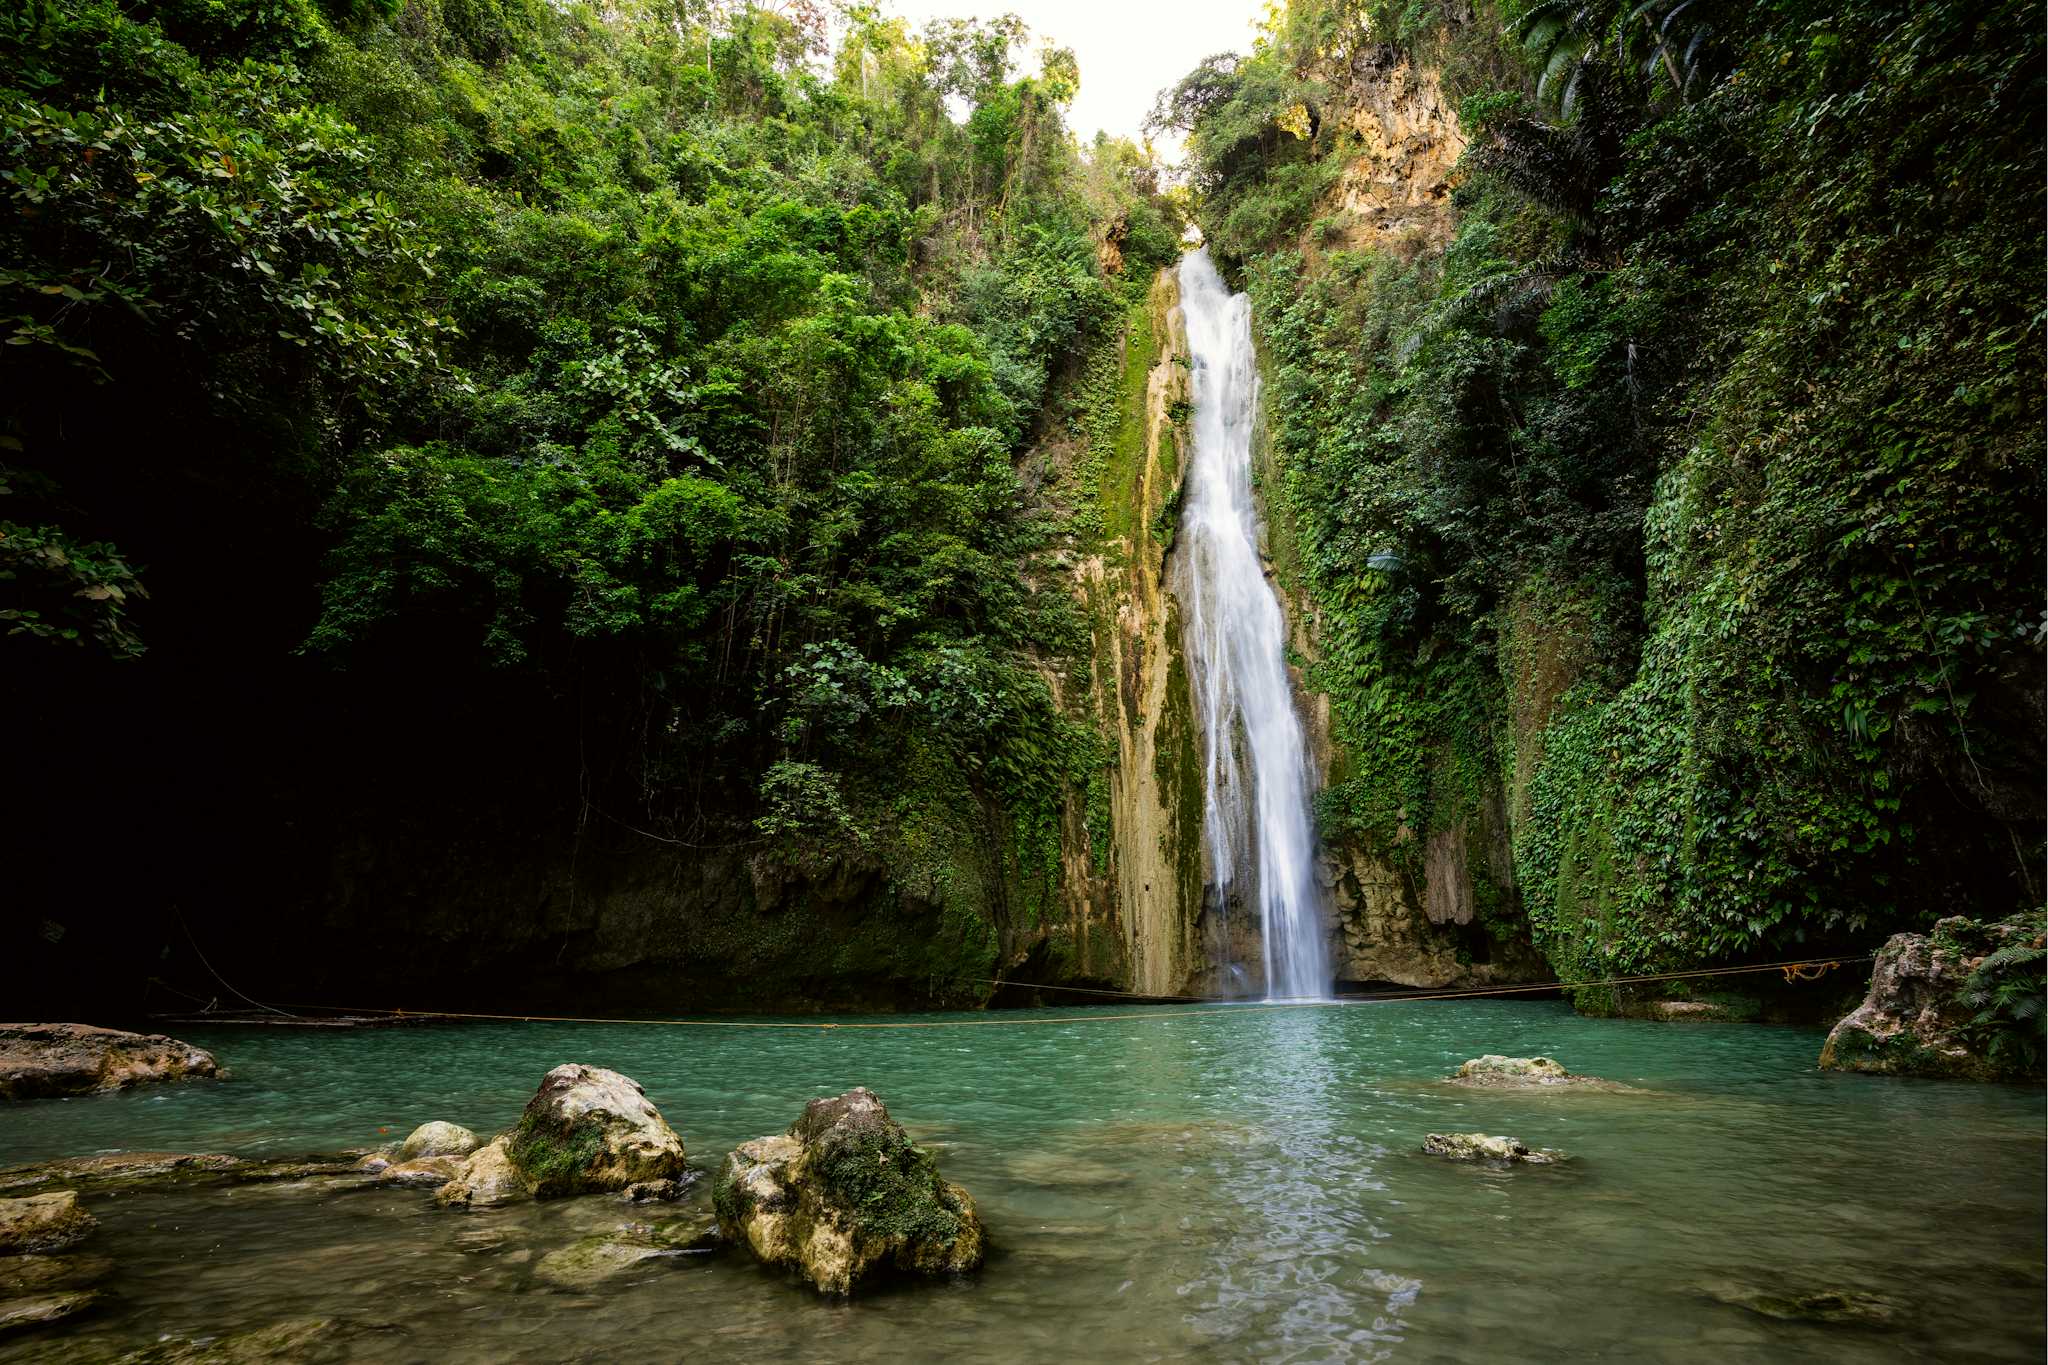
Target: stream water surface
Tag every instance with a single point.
(1236, 1183)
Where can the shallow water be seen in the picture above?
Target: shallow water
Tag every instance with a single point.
(1239, 1183)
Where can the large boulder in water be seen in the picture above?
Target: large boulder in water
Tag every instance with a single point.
(585, 1131)
(588, 1130)
(38, 1060)
(845, 1195)
(1920, 1017)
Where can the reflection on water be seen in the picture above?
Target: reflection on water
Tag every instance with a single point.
(1241, 1184)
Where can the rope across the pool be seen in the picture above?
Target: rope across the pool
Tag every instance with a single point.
(1792, 971)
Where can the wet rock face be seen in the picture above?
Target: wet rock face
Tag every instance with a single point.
(844, 1197)
(486, 1179)
(43, 1223)
(39, 1060)
(1498, 1151)
(589, 1130)
(1914, 1021)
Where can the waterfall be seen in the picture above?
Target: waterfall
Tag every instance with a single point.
(1256, 783)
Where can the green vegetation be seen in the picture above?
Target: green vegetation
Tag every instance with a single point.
(2008, 992)
(483, 422)
(1684, 494)
(555, 1161)
(649, 374)
(890, 1185)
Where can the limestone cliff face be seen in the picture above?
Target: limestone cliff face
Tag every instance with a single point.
(1154, 850)
(1395, 194)
(1421, 929)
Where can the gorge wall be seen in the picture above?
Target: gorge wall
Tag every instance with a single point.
(1636, 647)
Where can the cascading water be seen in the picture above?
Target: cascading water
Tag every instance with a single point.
(1256, 786)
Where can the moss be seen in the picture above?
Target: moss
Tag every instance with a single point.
(725, 1198)
(553, 1159)
(891, 1186)
(1177, 764)
(1112, 396)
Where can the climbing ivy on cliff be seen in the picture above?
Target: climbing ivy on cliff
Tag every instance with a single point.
(1686, 501)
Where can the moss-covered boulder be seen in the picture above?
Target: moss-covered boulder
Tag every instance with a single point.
(588, 1130)
(1963, 1001)
(585, 1131)
(845, 1196)
(1492, 1151)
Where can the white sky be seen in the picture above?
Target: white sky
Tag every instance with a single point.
(1129, 50)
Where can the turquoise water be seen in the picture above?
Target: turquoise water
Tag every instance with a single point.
(1238, 1184)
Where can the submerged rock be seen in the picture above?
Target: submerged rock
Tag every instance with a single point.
(43, 1309)
(43, 1222)
(633, 1246)
(293, 1340)
(485, 1180)
(1832, 1306)
(40, 1274)
(117, 1167)
(38, 1060)
(1914, 1021)
(588, 1130)
(1503, 1151)
(290, 1168)
(844, 1196)
(1495, 1072)
(438, 1139)
(429, 1172)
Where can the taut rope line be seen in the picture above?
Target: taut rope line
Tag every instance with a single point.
(1792, 971)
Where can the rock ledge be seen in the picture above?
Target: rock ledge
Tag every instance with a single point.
(41, 1060)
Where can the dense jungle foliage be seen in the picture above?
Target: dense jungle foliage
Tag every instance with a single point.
(1686, 503)
(651, 381)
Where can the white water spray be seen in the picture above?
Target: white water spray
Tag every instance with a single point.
(1256, 786)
